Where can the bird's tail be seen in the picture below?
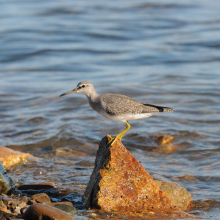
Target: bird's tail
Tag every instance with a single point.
(160, 108)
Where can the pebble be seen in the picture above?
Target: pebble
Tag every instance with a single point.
(24, 199)
(41, 198)
(45, 212)
(67, 208)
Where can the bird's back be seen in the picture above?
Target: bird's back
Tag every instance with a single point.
(116, 104)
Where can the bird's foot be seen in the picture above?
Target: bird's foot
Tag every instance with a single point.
(112, 139)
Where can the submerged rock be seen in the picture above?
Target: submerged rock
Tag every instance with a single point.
(163, 139)
(45, 212)
(67, 208)
(6, 183)
(164, 144)
(119, 183)
(10, 157)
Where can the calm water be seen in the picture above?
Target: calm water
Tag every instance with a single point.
(160, 52)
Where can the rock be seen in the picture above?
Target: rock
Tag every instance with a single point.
(179, 195)
(10, 157)
(37, 186)
(163, 139)
(66, 152)
(45, 212)
(165, 144)
(41, 198)
(64, 202)
(6, 215)
(166, 149)
(16, 193)
(119, 183)
(2, 204)
(24, 199)
(31, 202)
(6, 183)
(7, 200)
(67, 208)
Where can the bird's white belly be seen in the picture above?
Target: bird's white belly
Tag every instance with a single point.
(126, 117)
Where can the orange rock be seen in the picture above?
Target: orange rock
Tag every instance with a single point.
(119, 183)
(166, 149)
(10, 157)
(163, 139)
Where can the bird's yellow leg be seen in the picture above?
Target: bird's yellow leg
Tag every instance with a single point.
(119, 136)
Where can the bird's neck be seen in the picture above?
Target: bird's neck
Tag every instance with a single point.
(92, 96)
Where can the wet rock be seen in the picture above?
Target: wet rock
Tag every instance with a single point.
(165, 144)
(166, 149)
(6, 183)
(37, 186)
(119, 183)
(55, 203)
(10, 157)
(179, 195)
(2, 204)
(41, 198)
(16, 193)
(163, 139)
(31, 202)
(67, 208)
(45, 212)
(66, 152)
(7, 200)
(202, 204)
(5, 215)
(24, 199)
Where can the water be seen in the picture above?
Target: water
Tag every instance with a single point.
(159, 52)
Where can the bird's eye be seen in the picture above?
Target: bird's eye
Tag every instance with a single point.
(83, 86)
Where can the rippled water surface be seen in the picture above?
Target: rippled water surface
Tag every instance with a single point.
(159, 52)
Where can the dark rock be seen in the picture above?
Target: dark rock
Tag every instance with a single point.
(119, 183)
(41, 198)
(16, 193)
(45, 212)
(31, 202)
(37, 186)
(67, 208)
(6, 183)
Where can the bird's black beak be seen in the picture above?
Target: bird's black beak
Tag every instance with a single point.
(71, 91)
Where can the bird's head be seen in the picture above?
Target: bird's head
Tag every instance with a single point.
(84, 87)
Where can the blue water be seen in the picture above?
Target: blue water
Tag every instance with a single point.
(159, 52)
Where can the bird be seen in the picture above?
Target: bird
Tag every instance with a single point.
(117, 107)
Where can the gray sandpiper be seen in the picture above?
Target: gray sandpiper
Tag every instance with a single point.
(117, 107)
